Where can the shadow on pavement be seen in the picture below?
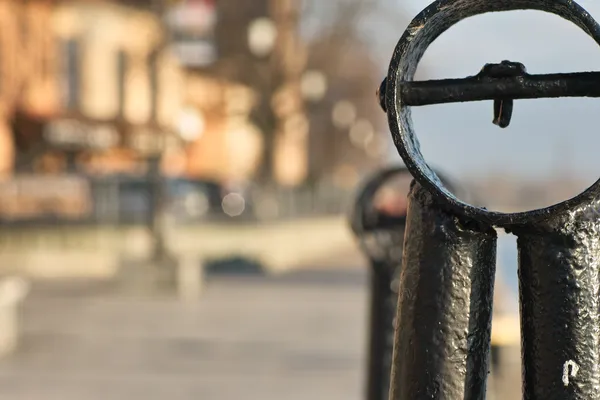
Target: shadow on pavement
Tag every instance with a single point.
(324, 277)
(240, 267)
(233, 266)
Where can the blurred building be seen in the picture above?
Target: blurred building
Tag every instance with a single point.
(259, 47)
(94, 85)
(218, 87)
(226, 145)
(98, 86)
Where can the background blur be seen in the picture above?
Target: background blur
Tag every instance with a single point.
(175, 176)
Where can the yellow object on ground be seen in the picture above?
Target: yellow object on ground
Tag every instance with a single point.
(506, 330)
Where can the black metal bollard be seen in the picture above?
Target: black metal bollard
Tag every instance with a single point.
(381, 236)
(442, 341)
(559, 276)
(445, 305)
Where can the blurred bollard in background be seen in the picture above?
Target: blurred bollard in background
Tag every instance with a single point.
(13, 291)
(190, 277)
(378, 220)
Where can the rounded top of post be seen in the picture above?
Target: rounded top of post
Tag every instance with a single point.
(363, 212)
(366, 217)
(379, 225)
(424, 30)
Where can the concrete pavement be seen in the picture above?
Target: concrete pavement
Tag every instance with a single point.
(253, 338)
(294, 336)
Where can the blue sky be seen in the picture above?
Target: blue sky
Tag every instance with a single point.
(545, 135)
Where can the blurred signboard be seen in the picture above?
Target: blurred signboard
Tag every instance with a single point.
(151, 142)
(77, 135)
(192, 24)
(32, 197)
(72, 133)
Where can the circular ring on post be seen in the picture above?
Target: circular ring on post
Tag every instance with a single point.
(363, 218)
(424, 30)
(362, 212)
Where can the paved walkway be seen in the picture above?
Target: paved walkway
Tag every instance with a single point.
(296, 336)
(290, 338)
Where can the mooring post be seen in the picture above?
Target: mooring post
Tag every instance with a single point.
(442, 339)
(381, 237)
(559, 275)
(445, 307)
(380, 233)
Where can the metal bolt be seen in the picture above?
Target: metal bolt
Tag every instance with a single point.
(503, 108)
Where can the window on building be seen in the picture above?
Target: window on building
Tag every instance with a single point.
(122, 65)
(72, 73)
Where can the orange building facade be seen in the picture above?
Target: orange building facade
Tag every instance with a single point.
(94, 86)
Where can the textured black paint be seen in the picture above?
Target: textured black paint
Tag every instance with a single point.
(477, 88)
(442, 344)
(381, 238)
(559, 278)
(426, 28)
(441, 348)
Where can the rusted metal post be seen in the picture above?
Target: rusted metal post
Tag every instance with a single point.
(442, 340)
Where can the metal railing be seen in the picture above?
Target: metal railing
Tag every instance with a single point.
(70, 200)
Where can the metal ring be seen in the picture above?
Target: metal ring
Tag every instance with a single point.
(364, 199)
(424, 30)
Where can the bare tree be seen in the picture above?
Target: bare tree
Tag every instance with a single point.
(341, 48)
(344, 20)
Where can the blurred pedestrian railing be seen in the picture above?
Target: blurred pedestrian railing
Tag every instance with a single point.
(70, 200)
(301, 202)
(112, 223)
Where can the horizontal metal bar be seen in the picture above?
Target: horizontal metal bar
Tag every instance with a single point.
(477, 88)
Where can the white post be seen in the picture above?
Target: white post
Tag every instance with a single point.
(190, 277)
(12, 292)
